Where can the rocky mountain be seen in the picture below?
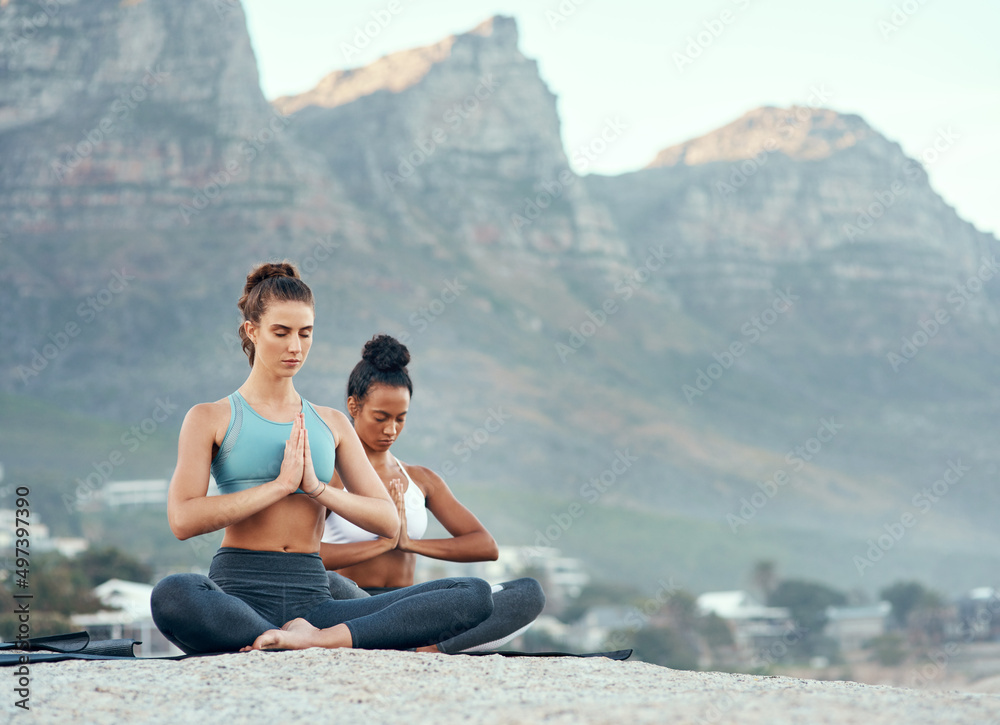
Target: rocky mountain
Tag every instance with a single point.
(464, 135)
(777, 327)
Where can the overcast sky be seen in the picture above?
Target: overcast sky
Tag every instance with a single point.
(669, 70)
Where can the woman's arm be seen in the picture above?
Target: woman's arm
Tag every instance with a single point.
(363, 501)
(190, 511)
(339, 556)
(470, 541)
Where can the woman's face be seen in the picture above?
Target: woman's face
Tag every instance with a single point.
(379, 420)
(283, 337)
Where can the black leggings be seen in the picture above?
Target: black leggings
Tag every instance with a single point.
(248, 592)
(516, 604)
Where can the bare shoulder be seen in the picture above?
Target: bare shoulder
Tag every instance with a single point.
(205, 417)
(338, 421)
(428, 480)
(208, 413)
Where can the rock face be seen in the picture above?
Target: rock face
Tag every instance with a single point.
(705, 313)
(135, 140)
(782, 196)
(462, 134)
(157, 114)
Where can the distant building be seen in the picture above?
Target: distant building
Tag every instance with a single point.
(978, 616)
(118, 494)
(593, 630)
(853, 626)
(755, 627)
(70, 546)
(40, 540)
(561, 577)
(128, 617)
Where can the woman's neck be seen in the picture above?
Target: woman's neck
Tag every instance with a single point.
(270, 389)
(380, 459)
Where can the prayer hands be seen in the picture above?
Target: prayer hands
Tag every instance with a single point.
(402, 539)
(293, 462)
(296, 465)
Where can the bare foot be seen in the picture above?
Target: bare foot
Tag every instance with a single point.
(299, 634)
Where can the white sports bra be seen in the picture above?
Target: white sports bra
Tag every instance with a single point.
(341, 531)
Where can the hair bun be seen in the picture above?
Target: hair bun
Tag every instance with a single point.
(270, 269)
(385, 352)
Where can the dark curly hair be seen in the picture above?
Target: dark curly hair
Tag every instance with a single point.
(383, 362)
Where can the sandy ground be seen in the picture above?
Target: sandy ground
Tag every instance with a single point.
(353, 686)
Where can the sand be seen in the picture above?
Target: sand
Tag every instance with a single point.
(354, 686)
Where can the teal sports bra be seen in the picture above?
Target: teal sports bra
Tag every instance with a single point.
(253, 447)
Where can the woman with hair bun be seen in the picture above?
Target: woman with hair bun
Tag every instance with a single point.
(274, 456)
(378, 397)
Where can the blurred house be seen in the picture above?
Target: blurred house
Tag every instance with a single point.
(754, 626)
(852, 627)
(128, 617)
(562, 577)
(978, 616)
(593, 631)
(40, 540)
(120, 494)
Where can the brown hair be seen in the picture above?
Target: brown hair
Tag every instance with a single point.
(266, 283)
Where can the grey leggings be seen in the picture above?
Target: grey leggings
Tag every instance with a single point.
(516, 604)
(247, 593)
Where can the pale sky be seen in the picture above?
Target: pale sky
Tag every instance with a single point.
(913, 69)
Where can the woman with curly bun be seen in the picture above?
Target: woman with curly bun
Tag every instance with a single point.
(275, 457)
(378, 398)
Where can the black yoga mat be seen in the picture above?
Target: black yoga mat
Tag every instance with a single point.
(79, 646)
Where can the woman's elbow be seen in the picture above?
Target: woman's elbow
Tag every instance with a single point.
(392, 529)
(390, 523)
(180, 527)
(492, 550)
